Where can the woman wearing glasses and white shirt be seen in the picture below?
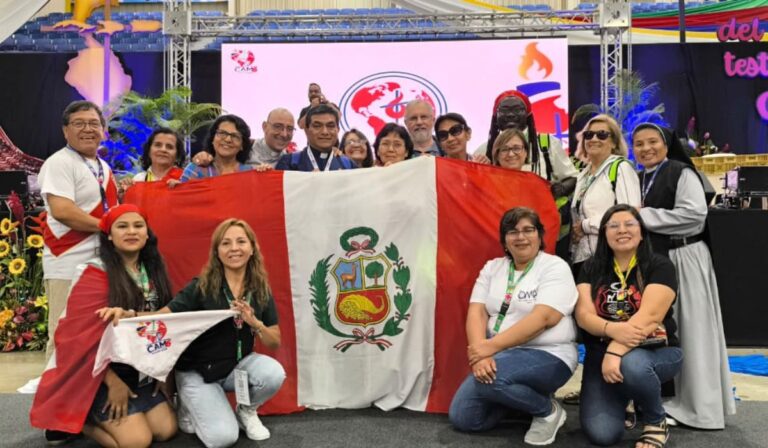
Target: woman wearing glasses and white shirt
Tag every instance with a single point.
(229, 142)
(520, 334)
(607, 180)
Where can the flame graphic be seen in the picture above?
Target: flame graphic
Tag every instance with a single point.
(532, 54)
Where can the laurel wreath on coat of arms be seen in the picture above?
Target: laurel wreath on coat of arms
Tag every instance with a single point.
(401, 274)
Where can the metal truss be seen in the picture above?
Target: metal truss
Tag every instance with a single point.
(611, 21)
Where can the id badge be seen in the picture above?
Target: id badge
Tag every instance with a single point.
(241, 387)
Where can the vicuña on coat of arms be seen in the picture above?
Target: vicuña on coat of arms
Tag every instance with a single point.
(363, 281)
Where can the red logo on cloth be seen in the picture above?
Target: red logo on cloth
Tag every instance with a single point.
(154, 332)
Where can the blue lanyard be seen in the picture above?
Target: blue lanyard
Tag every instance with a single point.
(99, 178)
(647, 188)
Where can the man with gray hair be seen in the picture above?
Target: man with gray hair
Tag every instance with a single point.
(420, 119)
(278, 133)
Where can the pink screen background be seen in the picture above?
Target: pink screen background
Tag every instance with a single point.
(372, 81)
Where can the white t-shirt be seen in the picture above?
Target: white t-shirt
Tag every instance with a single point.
(598, 198)
(549, 282)
(65, 174)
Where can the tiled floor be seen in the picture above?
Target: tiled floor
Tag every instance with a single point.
(17, 368)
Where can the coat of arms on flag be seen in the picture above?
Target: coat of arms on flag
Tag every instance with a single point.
(363, 291)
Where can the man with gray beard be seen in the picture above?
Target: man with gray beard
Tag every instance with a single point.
(420, 119)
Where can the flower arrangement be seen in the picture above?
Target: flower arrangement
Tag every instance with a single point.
(701, 146)
(23, 304)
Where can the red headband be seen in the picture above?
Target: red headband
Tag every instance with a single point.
(507, 94)
(109, 218)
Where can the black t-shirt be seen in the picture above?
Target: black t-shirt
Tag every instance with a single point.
(216, 349)
(606, 296)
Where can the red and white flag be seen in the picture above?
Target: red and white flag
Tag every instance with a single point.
(153, 344)
(371, 269)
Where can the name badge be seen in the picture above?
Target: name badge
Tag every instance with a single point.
(242, 394)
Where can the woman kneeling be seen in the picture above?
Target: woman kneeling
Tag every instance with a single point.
(520, 333)
(625, 297)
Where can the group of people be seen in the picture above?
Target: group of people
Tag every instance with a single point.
(632, 269)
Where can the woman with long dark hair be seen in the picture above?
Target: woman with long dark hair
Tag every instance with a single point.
(675, 212)
(355, 145)
(625, 308)
(127, 410)
(234, 277)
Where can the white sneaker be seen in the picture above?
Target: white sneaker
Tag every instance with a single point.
(543, 430)
(184, 419)
(249, 421)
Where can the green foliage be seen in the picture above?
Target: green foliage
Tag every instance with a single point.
(318, 287)
(374, 270)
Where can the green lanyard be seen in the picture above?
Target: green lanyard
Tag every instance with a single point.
(141, 279)
(622, 294)
(511, 285)
(238, 320)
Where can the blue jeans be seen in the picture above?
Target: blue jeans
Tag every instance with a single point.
(602, 405)
(215, 423)
(525, 380)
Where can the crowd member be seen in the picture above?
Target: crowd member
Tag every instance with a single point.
(234, 277)
(278, 133)
(320, 155)
(77, 188)
(356, 147)
(625, 307)
(674, 211)
(512, 110)
(228, 143)
(419, 119)
(127, 411)
(520, 333)
(453, 133)
(510, 150)
(608, 179)
(163, 156)
(316, 98)
(393, 145)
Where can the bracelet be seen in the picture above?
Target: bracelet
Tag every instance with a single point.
(614, 354)
(605, 327)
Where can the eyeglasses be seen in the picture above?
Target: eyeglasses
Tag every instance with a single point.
(79, 124)
(229, 135)
(516, 110)
(455, 130)
(527, 231)
(601, 135)
(512, 149)
(629, 225)
(279, 127)
(354, 141)
(397, 144)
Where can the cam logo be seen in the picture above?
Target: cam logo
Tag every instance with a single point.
(154, 331)
(244, 60)
(364, 280)
(380, 98)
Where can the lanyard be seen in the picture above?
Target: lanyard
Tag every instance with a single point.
(511, 285)
(142, 281)
(238, 319)
(647, 188)
(314, 162)
(99, 178)
(621, 295)
(590, 180)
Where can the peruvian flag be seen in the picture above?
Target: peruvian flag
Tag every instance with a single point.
(371, 269)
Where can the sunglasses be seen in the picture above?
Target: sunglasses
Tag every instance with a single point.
(455, 130)
(601, 135)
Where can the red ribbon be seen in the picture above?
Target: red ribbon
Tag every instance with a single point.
(361, 337)
(360, 247)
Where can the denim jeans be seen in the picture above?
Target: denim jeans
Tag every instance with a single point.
(602, 405)
(525, 380)
(214, 421)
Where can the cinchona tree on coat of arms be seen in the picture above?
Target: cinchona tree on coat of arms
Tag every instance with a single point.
(363, 281)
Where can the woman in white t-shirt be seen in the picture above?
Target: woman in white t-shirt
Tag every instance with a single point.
(520, 333)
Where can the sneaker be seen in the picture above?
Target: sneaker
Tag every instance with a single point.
(543, 430)
(249, 421)
(184, 419)
(58, 438)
